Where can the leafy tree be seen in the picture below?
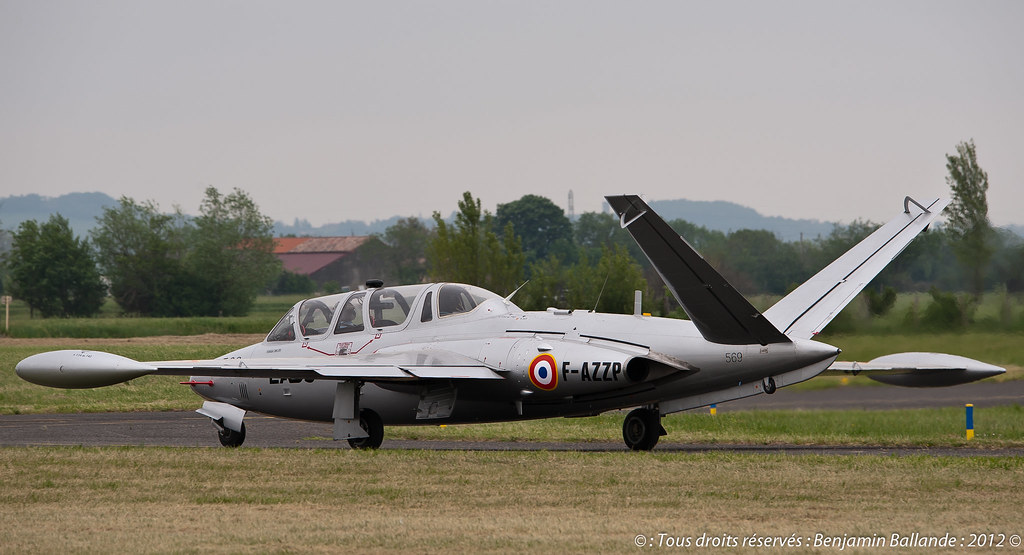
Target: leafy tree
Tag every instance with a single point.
(607, 284)
(841, 239)
(141, 253)
(766, 263)
(232, 252)
(407, 239)
(702, 239)
(541, 225)
(547, 285)
(291, 283)
(595, 231)
(54, 271)
(610, 286)
(469, 251)
(165, 265)
(967, 215)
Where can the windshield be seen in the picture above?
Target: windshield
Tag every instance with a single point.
(285, 328)
(390, 306)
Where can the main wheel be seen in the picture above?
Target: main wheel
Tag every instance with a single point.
(231, 438)
(641, 429)
(373, 425)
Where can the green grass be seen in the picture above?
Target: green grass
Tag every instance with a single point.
(996, 312)
(1000, 426)
(110, 324)
(1006, 349)
(276, 500)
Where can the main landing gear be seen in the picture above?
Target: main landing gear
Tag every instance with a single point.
(642, 428)
(372, 424)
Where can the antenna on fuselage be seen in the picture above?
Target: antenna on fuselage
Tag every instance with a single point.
(598, 301)
(508, 299)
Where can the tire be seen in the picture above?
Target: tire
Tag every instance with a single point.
(231, 438)
(641, 429)
(372, 423)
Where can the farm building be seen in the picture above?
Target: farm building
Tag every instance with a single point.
(323, 259)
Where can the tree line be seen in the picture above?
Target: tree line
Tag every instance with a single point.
(158, 264)
(150, 263)
(593, 263)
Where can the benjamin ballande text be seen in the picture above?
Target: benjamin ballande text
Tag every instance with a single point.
(828, 541)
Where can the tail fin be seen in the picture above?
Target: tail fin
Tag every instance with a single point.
(721, 314)
(808, 309)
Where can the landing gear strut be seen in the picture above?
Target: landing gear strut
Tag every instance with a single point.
(370, 422)
(642, 428)
(231, 438)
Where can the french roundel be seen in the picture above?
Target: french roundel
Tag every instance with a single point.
(542, 372)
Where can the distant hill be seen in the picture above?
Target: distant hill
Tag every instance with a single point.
(720, 215)
(348, 227)
(82, 209)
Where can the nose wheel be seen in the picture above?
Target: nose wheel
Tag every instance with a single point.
(642, 428)
(231, 438)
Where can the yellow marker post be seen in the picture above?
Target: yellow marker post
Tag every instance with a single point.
(969, 408)
(714, 410)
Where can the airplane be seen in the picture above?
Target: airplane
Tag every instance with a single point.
(449, 353)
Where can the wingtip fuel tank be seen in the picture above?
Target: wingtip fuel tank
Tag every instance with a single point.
(77, 369)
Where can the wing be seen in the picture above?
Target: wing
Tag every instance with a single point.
(395, 366)
(85, 369)
(721, 314)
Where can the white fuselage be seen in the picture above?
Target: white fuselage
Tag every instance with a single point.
(590, 353)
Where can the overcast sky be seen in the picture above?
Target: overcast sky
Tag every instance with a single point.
(341, 110)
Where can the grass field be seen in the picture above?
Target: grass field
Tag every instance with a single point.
(245, 500)
(109, 323)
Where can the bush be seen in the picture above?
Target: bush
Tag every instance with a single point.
(879, 304)
(291, 283)
(947, 311)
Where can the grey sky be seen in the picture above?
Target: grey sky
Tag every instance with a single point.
(343, 110)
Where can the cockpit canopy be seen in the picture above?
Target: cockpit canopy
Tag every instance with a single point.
(381, 309)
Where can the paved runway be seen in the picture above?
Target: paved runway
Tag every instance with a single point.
(188, 429)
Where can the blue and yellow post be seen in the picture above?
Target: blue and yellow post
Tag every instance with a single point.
(714, 410)
(969, 408)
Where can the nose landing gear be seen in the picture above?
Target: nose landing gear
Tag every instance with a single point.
(231, 438)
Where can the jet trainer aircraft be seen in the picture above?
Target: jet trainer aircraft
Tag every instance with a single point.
(449, 353)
